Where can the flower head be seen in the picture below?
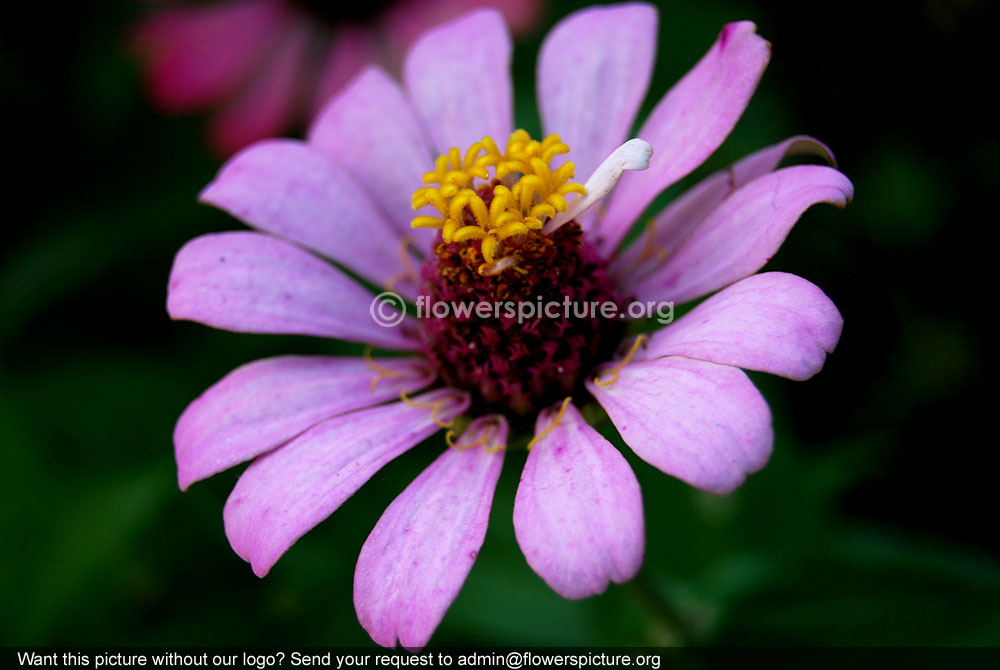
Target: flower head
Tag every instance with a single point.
(501, 216)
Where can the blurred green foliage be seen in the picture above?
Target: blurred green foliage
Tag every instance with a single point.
(869, 526)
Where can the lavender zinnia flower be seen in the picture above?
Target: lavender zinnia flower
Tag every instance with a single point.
(507, 222)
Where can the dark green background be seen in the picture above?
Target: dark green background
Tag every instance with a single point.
(875, 522)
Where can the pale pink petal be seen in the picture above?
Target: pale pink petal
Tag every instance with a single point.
(253, 283)
(744, 232)
(633, 155)
(198, 56)
(578, 511)
(690, 122)
(458, 76)
(352, 49)
(593, 72)
(701, 422)
(772, 322)
(675, 224)
(268, 103)
(290, 189)
(263, 404)
(371, 129)
(285, 493)
(416, 559)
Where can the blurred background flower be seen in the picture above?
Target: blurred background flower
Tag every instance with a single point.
(874, 523)
(264, 67)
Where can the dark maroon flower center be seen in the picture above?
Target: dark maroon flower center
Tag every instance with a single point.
(508, 361)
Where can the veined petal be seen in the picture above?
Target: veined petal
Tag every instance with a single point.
(593, 72)
(254, 283)
(691, 121)
(263, 404)
(458, 76)
(772, 322)
(633, 155)
(288, 188)
(675, 224)
(287, 492)
(372, 130)
(416, 559)
(744, 232)
(703, 423)
(578, 511)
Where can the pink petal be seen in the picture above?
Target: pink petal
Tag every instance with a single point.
(198, 56)
(772, 322)
(290, 189)
(593, 72)
(744, 232)
(416, 559)
(458, 76)
(406, 20)
(701, 422)
(676, 223)
(269, 102)
(371, 129)
(254, 283)
(578, 510)
(287, 492)
(691, 121)
(260, 405)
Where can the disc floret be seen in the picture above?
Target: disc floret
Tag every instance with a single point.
(517, 192)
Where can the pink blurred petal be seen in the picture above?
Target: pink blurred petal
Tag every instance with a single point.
(676, 223)
(268, 103)
(416, 559)
(260, 405)
(458, 77)
(372, 130)
(407, 20)
(744, 232)
(690, 122)
(593, 72)
(288, 188)
(198, 56)
(351, 51)
(578, 511)
(701, 422)
(253, 283)
(287, 492)
(772, 322)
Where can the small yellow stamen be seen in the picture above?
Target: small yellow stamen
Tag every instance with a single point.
(435, 407)
(449, 437)
(382, 371)
(483, 441)
(618, 368)
(489, 248)
(562, 410)
(468, 233)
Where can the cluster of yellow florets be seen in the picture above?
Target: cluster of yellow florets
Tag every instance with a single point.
(523, 191)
